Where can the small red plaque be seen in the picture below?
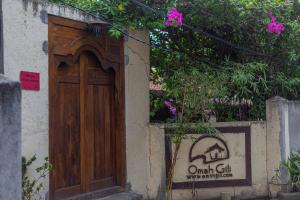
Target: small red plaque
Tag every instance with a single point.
(30, 80)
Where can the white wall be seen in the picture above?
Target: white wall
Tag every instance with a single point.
(25, 31)
(23, 51)
(137, 112)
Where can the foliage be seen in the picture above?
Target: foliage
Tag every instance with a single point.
(192, 92)
(271, 70)
(159, 113)
(229, 36)
(174, 18)
(293, 167)
(32, 187)
(229, 53)
(122, 14)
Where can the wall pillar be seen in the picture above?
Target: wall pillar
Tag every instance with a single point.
(278, 144)
(10, 142)
(157, 168)
(137, 111)
(294, 125)
(1, 40)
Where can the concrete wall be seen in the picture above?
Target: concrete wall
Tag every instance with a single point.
(259, 166)
(157, 168)
(25, 31)
(137, 112)
(278, 139)
(272, 142)
(294, 125)
(10, 143)
(285, 116)
(1, 41)
(284, 131)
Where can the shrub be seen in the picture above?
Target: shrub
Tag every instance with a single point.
(293, 167)
(32, 187)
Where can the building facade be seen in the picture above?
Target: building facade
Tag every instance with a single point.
(28, 39)
(85, 104)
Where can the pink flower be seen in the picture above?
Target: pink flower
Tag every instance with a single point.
(169, 104)
(174, 18)
(274, 27)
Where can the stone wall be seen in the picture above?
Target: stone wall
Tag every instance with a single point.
(259, 186)
(272, 141)
(25, 32)
(10, 143)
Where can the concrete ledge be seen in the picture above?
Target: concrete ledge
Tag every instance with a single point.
(289, 196)
(215, 124)
(124, 196)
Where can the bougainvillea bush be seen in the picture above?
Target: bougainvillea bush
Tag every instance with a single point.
(174, 18)
(254, 43)
(208, 50)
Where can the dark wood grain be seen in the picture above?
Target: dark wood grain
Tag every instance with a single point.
(86, 112)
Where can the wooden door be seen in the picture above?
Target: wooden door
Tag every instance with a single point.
(86, 77)
(99, 124)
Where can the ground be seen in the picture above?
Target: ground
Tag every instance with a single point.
(123, 196)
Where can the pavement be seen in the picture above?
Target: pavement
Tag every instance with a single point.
(123, 196)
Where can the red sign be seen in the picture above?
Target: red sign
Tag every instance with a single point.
(30, 80)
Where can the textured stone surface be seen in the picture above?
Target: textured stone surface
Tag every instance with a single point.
(289, 196)
(10, 142)
(124, 196)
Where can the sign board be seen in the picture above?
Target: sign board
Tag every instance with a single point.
(30, 80)
(213, 161)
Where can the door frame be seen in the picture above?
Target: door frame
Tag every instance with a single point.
(69, 55)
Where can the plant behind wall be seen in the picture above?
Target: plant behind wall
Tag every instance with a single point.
(190, 92)
(244, 50)
(292, 165)
(31, 187)
(255, 44)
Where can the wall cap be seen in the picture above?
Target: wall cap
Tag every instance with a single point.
(4, 82)
(217, 124)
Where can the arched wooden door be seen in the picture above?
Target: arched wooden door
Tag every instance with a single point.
(86, 113)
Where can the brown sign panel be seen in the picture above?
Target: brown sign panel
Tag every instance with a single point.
(206, 161)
